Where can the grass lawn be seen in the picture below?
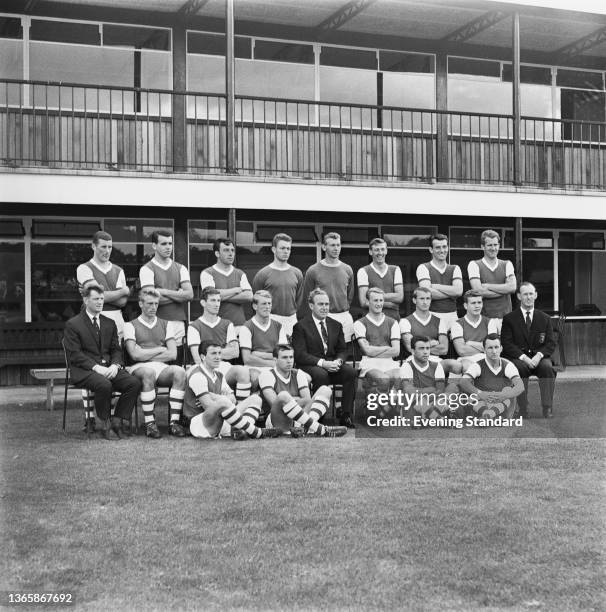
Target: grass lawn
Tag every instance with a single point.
(415, 523)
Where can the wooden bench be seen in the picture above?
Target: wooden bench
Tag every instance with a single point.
(49, 375)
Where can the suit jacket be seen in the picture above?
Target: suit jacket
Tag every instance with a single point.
(308, 345)
(517, 339)
(83, 349)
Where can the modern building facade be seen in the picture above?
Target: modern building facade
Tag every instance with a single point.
(392, 118)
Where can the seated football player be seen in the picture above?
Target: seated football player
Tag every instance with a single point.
(468, 332)
(150, 343)
(378, 337)
(287, 399)
(494, 380)
(210, 405)
(422, 323)
(424, 380)
(210, 326)
(261, 334)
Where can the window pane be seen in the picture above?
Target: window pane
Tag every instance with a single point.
(11, 228)
(538, 269)
(200, 257)
(206, 74)
(214, 44)
(265, 233)
(65, 32)
(12, 282)
(409, 90)
(206, 231)
(480, 96)
(536, 75)
(395, 235)
(393, 61)
(581, 283)
(62, 229)
(580, 79)
(11, 66)
(348, 58)
(140, 230)
(10, 27)
(581, 240)
(55, 295)
(348, 85)
(274, 80)
(461, 65)
(132, 36)
(283, 52)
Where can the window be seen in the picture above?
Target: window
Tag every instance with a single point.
(407, 236)
(12, 281)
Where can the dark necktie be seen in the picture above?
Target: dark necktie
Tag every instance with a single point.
(324, 335)
(528, 319)
(97, 330)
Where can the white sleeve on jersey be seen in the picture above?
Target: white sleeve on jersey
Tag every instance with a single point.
(225, 388)
(405, 327)
(511, 371)
(395, 331)
(406, 371)
(231, 334)
(244, 284)
(206, 280)
(443, 327)
(359, 329)
(245, 338)
(183, 274)
(266, 380)
(456, 273)
(473, 371)
(439, 375)
(171, 329)
(198, 384)
(494, 326)
(193, 337)
(397, 277)
(422, 273)
(362, 278)
(456, 330)
(146, 277)
(282, 339)
(129, 332)
(509, 269)
(83, 274)
(473, 270)
(302, 380)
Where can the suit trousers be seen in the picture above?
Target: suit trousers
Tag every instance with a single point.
(346, 376)
(129, 388)
(544, 372)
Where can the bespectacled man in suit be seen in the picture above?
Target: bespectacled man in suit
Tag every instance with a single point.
(320, 351)
(95, 357)
(528, 341)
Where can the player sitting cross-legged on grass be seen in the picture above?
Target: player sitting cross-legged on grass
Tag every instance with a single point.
(423, 379)
(494, 380)
(210, 404)
(286, 396)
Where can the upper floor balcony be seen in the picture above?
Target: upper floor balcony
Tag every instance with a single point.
(74, 126)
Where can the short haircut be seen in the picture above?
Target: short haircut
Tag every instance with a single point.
(261, 294)
(415, 339)
(88, 289)
(376, 241)
(439, 237)
(219, 241)
(316, 291)
(491, 337)
(206, 344)
(101, 235)
(470, 293)
(281, 347)
(146, 291)
(526, 284)
(489, 233)
(278, 237)
(331, 236)
(374, 290)
(418, 290)
(161, 232)
(208, 291)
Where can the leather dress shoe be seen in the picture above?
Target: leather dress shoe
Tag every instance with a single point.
(548, 412)
(116, 426)
(104, 429)
(90, 425)
(346, 421)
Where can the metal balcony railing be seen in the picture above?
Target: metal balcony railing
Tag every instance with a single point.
(72, 126)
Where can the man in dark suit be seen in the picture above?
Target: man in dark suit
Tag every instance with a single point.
(528, 341)
(95, 357)
(320, 351)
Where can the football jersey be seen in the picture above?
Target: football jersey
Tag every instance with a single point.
(285, 286)
(432, 327)
(110, 281)
(222, 332)
(427, 271)
(169, 278)
(422, 378)
(487, 379)
(271, 379)
(337, 281)
(369, 276)
(381, 334)
(463, 328)
(199, 382)
(212, 277)
(255, 338)
(148, 336)
(496, 307)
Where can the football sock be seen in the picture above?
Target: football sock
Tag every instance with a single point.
(237, 420)
(148, 399)
(242, 391)
(293, 411)
(175, 403)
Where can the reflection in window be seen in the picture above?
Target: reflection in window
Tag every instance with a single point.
(410, 236)
(582, 290)
(136, 230)
(206, 231)
(538, 269)
(12, 282)
(55, 295)
(201, 256)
